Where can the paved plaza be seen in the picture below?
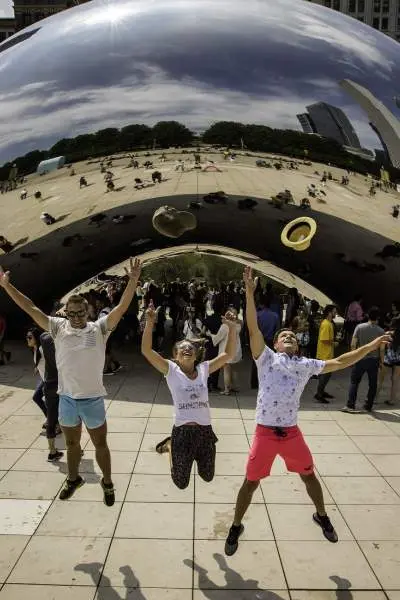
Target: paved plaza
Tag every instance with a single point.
(158, 542)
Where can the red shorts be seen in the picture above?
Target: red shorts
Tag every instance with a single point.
(267, 445)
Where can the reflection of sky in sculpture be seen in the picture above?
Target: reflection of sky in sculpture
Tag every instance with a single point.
(120, 62)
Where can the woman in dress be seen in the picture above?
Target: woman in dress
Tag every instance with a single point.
(221, 339)
(192, 438)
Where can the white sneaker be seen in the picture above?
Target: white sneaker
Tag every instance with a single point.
(353, 411)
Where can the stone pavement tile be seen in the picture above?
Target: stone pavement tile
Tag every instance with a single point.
(361, 490)
(148, 563)
(121, 462)
(9, 456)
(86, 519)
(228, 463)
(35, 459)
(233, 443)
(365, 427)
(123, 442)
(344, 465)
(228, 426)
(319, 565)
(296, 523)
(331, 444)
(2, 473)
(21, 517)
(386, 464)
(255, 566)
(249, 414)
(93, 492)
(226, 413)
(41, 442)
(152, 463)
(372, 522)
(162, 520)
(384, 558)
(212, 522)
(162, 425)
(121, 425)
(128, 409)
(240, 595)
(61, 561)
(393, 595)
(119, 593)
(157, 488)
(288, 489)
(150, 441)
(30, 485)
(47, 592)
(11, 547)
(29, 408)
(394, 426)
(223, 489)
(394, 482)
(14, 438)
(329, 427)
(163, 411)
(371, 444)
(316, 415)
(336, 595)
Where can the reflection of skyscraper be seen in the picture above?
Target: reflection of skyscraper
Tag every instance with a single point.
(306, 123)
(382, 121)
(331, 122)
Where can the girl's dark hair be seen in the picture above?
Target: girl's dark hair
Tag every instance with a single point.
(36, 333)
(199, 347)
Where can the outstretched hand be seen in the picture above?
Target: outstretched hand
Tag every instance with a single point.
(250, 283)
(151, 313)
(383, 340)
(134, 269)
(4, 277)
(229, 319)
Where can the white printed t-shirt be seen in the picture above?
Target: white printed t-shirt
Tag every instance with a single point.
(190, 396)
(282, 380)
(80, 356)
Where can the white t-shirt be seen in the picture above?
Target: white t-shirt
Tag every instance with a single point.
(80, 356)
(41, 364)
(190, 396)
(282, 380)
(221, 338)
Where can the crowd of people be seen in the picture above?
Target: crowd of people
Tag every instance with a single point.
(209, 327)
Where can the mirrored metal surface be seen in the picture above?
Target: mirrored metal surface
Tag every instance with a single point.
(315, 92)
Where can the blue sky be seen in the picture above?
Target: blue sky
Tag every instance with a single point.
(6, 8)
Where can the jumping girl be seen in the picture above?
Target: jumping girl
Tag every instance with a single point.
(192, 438)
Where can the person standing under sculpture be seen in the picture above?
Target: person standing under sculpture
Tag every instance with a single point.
(80, 355)
(283, 377)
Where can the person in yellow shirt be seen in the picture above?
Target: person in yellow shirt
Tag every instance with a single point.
(325, 350)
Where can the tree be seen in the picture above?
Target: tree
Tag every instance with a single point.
(136, 136)
(225, 133)
(171, 133)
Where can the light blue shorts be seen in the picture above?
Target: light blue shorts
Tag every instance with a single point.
(90, 411)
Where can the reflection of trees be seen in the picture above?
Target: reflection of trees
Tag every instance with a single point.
(256, 138)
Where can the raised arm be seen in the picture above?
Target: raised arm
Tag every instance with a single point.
(23, 302)
(257, 343)
(350, 358)
(230, 349)
(152, 356)
(118, 312)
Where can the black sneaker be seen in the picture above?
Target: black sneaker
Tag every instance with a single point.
(327, 527)
(321, 399)
(326, 395)
(70, 487)
(109, 493)
(232, 541)
(56, 456)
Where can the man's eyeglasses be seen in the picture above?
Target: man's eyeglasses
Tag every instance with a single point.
(79, 313)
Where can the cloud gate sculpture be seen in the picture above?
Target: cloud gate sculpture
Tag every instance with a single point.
(246, 114)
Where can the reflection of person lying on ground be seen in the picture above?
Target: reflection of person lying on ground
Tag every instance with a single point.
(395, 211)
(117, 219)
(139, 184)
(82, 182)
(47, 218)
(108, 176)
(216, 198)
(362, 265)
(156, 177)
(110, 186)
(305, 203)
(147, 164)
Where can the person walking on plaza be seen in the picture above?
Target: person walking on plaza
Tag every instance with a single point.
(325, 350)
(363, 334)
(192, 438)
(283, 376)
(80, 355)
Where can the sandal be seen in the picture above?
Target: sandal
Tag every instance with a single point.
(160, 446)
